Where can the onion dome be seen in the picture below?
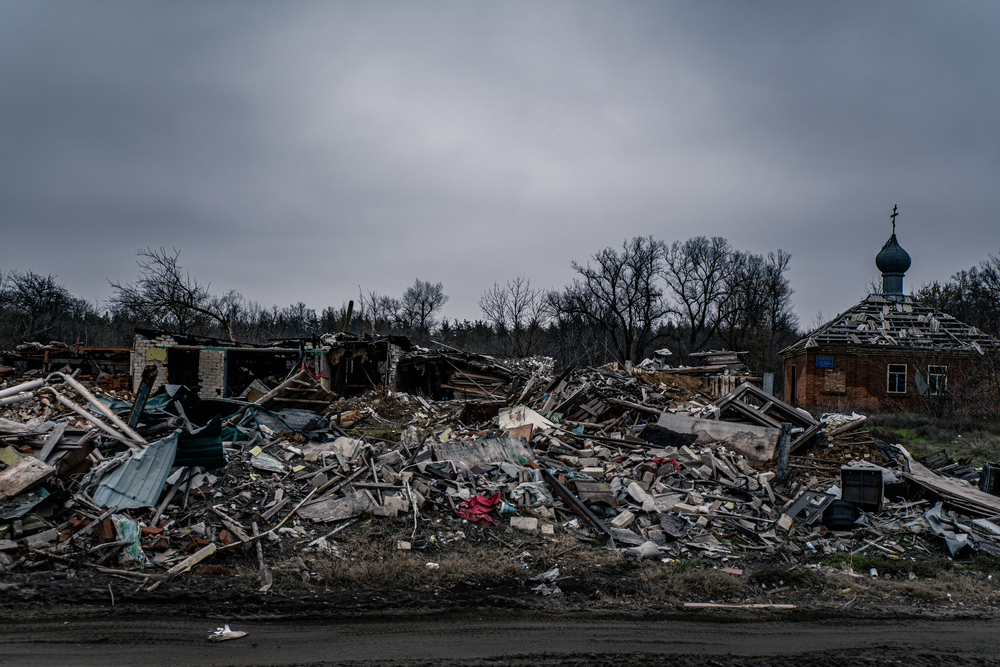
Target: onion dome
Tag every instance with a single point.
(892, 258)
(893, 262)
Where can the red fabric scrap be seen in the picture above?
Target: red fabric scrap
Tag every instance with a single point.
(677, 466)
(478, 507)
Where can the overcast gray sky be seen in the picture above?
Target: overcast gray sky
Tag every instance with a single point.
(295, 151)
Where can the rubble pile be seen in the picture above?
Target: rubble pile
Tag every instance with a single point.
(158, 484)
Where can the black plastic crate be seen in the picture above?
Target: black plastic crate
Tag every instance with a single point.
(862, 487)
(989, 479)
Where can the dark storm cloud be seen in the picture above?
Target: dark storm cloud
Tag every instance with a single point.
(296, 150)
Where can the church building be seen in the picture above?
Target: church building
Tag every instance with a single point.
(891, 352)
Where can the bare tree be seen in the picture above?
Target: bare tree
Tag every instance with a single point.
(34, 304)
(697, 273)
(166, 296)
(251, 322)
(421, 301)
(618, 293)
(332, 319)
(971, 296)
(576, 338)
(378, 312)
(757, 314)
(34, 307)
(517, 313)
(296, 321)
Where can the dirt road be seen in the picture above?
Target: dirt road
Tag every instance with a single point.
(478, 639)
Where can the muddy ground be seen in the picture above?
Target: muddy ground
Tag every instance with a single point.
(503, 641)
(477, 608)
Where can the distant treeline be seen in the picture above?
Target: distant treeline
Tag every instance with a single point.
(623, 304)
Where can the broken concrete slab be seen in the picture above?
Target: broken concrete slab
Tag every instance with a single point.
(625, 536)
(467, 454)
(528, 523)
(521, 415)
(337, 509)
(757, 443)
(644, 550)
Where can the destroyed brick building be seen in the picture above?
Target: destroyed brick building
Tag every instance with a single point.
(111, 365)
(343, 363)
(890, 351)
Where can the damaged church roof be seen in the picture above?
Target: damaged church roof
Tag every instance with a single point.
(907, 323)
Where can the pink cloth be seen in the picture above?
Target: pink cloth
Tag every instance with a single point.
(478, 507)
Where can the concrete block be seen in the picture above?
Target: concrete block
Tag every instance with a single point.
(623, 520)
(527, 523)
(39, 539)
(398, 503)
(657, 537)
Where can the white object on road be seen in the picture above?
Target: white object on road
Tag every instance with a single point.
(222, 634)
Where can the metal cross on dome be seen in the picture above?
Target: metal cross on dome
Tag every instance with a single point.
(893, 216)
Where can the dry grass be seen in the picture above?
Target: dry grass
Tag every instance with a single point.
(922, 434)
(368, 558)
(393, 570)
(667, 582)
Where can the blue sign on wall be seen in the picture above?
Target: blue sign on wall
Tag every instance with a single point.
(824, 362)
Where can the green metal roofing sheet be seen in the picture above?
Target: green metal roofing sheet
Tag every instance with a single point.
(203, 447)
(139, 481)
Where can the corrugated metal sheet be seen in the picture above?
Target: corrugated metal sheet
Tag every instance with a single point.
(203, 447)
(139, 481)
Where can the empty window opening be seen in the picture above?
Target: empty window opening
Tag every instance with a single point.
(896, 379)
(937, 380)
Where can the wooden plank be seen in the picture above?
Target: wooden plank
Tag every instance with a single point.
(575, 397)
(362, 472)
(694, 370)
(554, 395)
(734, 395)
(266, 516)
(22, 475)
(634, 406)
(183, 477)
(781, 410)
(717, 605)
(231, 525)
(50, 442)
(307, 401)
(979, 502)
(266, 398)
(751, 413)
(380, 486)
(804, 437)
